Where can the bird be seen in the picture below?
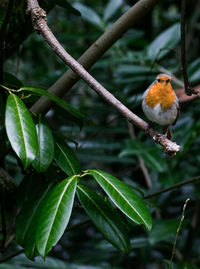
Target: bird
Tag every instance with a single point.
(160, 103)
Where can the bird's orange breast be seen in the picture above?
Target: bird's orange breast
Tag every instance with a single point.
(160, 93)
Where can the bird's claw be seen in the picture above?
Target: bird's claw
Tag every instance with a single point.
(150, 125)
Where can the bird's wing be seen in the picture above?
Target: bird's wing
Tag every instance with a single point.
(178, 110)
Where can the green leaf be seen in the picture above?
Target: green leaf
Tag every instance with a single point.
(45, 147)
(66, 159)
(73, 114)
(30, 236)
(11, 81)
(54, 98)
(21, 130)
(164, 42)
(111, 8)
(89, 14)
(150, 156)
(26, 225)
(104, 217)
(123, 197)
(36, 188)
(55, 214)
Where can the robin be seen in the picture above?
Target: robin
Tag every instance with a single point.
(160, 103)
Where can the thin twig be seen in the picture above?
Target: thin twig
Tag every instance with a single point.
(189, 181)
(177, 233)
(40, 25)
(188, 89)
(12, 255)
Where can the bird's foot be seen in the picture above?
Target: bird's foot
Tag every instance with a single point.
(167, 132)
(150, 125)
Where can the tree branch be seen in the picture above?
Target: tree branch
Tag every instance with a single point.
(189, 181)
(95, 51)
(40, 25)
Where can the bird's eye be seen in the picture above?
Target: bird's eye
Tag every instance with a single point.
(167, 80)
(159, 80)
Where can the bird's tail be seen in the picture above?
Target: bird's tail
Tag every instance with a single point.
(167, 132)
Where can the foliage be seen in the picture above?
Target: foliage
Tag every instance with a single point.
(80, 179)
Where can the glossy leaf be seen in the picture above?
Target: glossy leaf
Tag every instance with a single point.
(30, 236)
(21, 130)
(162, 44)
(55, 214)
(66, 159)
(36, 188)
(123, 197)
(151, 156)
(104, 217)
(54, 98)
(45, 147)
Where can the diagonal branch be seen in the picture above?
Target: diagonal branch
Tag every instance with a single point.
(95, 51)
(40, 25)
